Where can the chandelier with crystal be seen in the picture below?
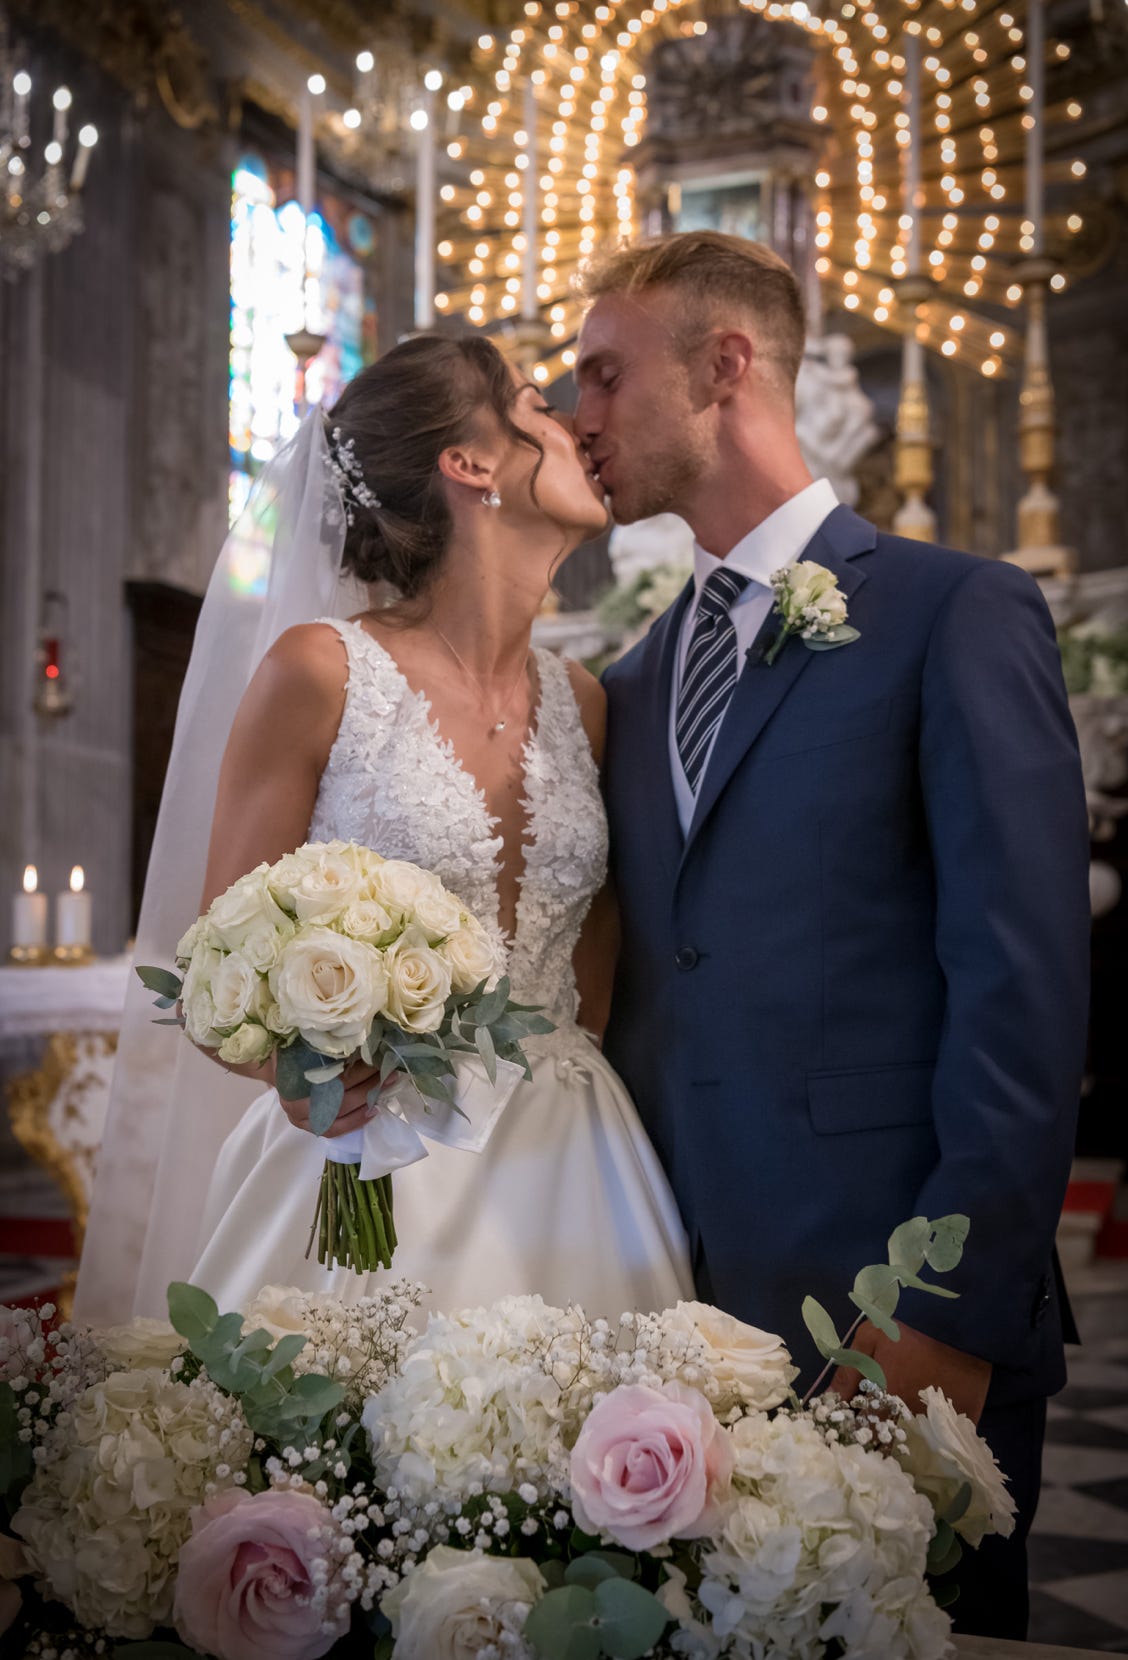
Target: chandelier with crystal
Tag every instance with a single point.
(40, 198)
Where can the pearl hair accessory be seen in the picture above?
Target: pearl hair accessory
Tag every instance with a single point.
(350, 476)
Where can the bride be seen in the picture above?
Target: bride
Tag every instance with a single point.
(429, 729)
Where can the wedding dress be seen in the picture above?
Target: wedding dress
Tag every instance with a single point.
(567, 1199)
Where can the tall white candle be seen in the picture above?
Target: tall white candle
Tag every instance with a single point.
(1035, 137)
(530, 308)
(425, 205)
(29, 914)
(21, 87)
(304, 167)
(87, 138)
(72, 914)
(62, 103)
(912, 190)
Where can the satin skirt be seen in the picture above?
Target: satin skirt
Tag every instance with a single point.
(567, 1200)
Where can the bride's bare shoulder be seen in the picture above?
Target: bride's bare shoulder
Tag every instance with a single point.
(310, 656)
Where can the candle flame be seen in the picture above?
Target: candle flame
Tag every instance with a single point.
(30, 879)
(77, 879)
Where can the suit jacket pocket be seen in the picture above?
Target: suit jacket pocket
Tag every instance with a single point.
(881, 1098)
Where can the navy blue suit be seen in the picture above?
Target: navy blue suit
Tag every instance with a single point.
(857, 990)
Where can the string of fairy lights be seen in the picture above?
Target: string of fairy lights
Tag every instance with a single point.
(538, 172)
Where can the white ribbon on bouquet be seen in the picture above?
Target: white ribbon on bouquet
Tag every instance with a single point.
(394, 1136)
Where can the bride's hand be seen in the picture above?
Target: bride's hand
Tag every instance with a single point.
(354, 1112)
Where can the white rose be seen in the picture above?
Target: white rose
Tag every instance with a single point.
(324, 886)
(438, 913)
(248, 912)
(473, 956)
(279, 1309)
(418, 983)
(143, 1342)
(400, 885)
(247, 1045)
(330, 989)
(942, 1451)
(367, 919)
(188, 941)
(457, 1604)
(234, 987)
(751, 1367)
(196, 996)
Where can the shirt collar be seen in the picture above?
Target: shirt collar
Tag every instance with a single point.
(776, 541)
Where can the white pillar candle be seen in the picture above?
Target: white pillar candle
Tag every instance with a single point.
(62, 103)
(304, 168)
(87, 138)
(1035, 137)
(29, 914)
(530, 308)
(72, 914)
(425, 205)
(21, 87)
(912, 190)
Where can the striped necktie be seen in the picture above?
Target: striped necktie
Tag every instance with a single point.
(710, 671)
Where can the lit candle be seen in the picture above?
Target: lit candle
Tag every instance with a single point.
(423, 120)
(21, 86)
(305, 161)
(62, 103)
(72, 916)
(87, 138)
(1036, 75)
(529, 307)
(912, 190)
(29, 915)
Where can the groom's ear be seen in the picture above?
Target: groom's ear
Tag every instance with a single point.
(729, 358)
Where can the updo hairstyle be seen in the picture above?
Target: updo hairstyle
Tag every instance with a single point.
(398, 415)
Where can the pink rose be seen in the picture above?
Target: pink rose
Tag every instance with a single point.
(247, 1581)
(648, 1465)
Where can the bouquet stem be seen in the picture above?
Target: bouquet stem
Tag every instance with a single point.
(353, 1222)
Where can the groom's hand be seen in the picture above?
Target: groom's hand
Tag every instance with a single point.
(914, 1363)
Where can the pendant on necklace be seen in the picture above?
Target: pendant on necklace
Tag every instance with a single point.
(499, 726)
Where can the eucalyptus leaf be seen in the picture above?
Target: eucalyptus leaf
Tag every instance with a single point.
(821, 1327)
(877, 1317)
(191, 1311)
(165, 1002)
(589, 1571)
(911, 1282)
(946, 1247)
(176, 1022)
(284, 1352)
(878, 1285)
(323, 1074)
(832, 639)
(291, 1065)
(631, 1619)
(957, 1510)
(944, 1595)
(486, 1049)
(865, 1364)
(561, 1626)
(908, 1243)
(324, 1105)
(162, 981)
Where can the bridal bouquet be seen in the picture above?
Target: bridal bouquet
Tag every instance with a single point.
(312, 1477)
(335, 955)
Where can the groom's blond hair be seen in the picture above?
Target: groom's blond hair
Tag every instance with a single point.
(718, 279)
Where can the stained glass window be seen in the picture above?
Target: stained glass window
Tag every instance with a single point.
(272, 251)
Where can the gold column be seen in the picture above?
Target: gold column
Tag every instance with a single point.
(1039, 549)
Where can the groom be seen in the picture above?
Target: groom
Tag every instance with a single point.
(853, 882)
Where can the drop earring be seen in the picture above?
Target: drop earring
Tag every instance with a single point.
(490, 498)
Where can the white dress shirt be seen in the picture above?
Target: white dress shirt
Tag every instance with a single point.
(776, 542)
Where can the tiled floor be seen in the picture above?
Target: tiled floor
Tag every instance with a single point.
(1079, 1545)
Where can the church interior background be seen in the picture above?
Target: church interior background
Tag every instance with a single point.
(213, 215)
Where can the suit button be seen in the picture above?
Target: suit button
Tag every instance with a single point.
(1042, 1303)
(687, 958)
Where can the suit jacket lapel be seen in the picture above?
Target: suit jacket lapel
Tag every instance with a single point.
(761, 689)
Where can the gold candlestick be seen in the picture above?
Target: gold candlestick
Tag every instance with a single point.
(1039, 549)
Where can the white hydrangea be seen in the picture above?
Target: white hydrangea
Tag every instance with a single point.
(475, 1401)
(815, 1526)
(116, 1479)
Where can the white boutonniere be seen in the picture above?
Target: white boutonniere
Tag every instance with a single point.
(809, 602)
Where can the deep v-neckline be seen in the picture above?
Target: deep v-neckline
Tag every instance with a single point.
(527, 839)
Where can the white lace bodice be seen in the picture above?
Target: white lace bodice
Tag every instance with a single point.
(394, 783)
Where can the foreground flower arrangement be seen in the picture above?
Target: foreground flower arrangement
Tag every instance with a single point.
(313, 1477)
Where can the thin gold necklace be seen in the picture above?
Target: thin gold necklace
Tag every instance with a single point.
(497, 723)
